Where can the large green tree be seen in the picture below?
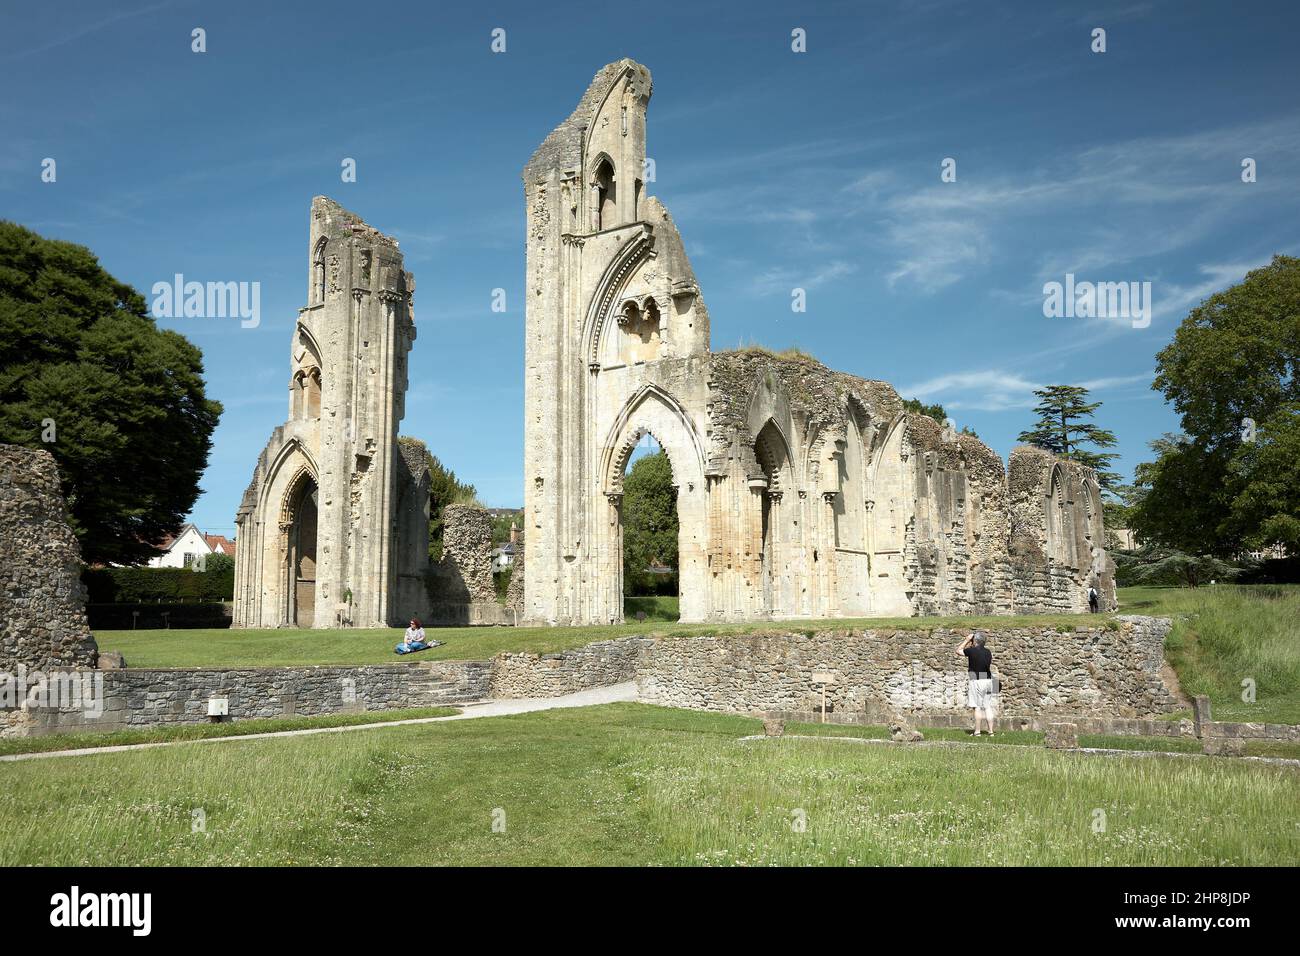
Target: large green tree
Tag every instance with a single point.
(1063, 428)
(86, 374)
(1232, 372)
(1180, 498)
(649, 522)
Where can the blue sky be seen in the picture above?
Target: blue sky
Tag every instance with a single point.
(818, 170)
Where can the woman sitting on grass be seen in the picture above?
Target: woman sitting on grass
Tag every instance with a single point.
(413, 639)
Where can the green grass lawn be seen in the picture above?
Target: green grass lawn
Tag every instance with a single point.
(240, 728)
(1226, 634)
(274, 647)
(634, 784)
(1033, 738)
(656, 607)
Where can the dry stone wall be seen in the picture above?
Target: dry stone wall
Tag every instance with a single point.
(134, 698)
(1103, 670)
(553, 675)
(1106, 679)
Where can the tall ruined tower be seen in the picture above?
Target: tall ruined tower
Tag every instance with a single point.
(317, 532)
(613, 311)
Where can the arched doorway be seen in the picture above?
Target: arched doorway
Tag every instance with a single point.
(654, 416)
(776, 537)
(302, 553)
(650, 535)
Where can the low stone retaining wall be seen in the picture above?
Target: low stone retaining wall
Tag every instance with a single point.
(133, 698)
(566, 672)
(1087, 676)
(1101, 670)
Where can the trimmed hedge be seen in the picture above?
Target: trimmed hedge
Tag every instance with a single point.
(158, 585)
(118, 617)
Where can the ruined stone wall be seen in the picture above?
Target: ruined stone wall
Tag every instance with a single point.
(515, 591)
(1101, 670)
(465, 572)
(460, 589)
(802, 492)
(42, 600)
(411, 532)
(134, 697)
(553, 675)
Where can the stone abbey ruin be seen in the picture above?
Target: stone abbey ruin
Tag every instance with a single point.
(801, 492)
(331, 529)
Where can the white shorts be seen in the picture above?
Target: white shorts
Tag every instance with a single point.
(981, 694)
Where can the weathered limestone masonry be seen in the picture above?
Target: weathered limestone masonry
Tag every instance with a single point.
(42, 600)
(515, 592)
(802, 492)
(1097, 671)
(553, 675)
(319, 537)
(43, 625)
(460, 587)
(135, 698)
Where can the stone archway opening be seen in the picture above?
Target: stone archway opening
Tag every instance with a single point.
(649, 534)
(302, 553)
(776, 531)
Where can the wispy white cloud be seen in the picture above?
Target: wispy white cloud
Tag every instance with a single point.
(998, 389)
(784, 280)
(941, 233)
(1174, 299)
(80, 32)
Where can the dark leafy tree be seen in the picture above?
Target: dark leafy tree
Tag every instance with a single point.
(650, 524)
(444, 489)
(1181, 498)
(1232, 372)
(82, 363)
(1155, 565)
(1265, 475)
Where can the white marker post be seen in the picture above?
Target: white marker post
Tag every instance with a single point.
(823, 678)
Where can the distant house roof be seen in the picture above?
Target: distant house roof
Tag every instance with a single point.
(168, 540)
(220, 544)
(217, 543)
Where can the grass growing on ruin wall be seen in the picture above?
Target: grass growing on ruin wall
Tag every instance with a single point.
(283, 647)
(634, 784)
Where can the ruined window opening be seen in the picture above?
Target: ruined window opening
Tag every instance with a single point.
(606, 205)
(311, 386)
(318, 274)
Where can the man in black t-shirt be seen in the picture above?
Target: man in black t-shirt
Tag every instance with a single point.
(980, 690)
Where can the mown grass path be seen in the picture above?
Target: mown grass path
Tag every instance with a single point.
(636, 784)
